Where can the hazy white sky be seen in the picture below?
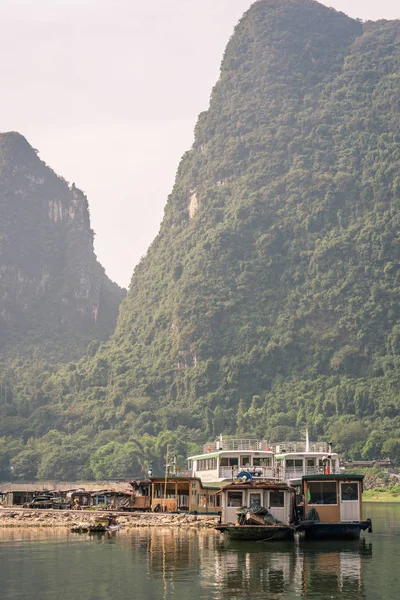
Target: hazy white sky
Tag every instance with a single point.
(109, 92)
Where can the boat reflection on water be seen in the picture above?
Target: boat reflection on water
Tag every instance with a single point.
(338, 567)
(302, 569)
(256, 570)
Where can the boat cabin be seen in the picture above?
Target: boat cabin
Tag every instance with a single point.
(141, 498)
(277, 498)
(222, 460)
(335, 498)
(174, 494)
(333, 507)
(295, 459)
(80, 499)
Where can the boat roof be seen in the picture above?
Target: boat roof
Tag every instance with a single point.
(181, 479)
(208, 455)
(333, 477)
(304, 453)
(258, 485)
(340, 476)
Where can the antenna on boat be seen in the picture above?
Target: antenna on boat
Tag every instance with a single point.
(307, 441)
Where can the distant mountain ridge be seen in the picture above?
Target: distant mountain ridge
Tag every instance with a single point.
(53, 291)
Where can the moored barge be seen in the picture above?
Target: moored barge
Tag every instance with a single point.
(261, 511)
(333, 507)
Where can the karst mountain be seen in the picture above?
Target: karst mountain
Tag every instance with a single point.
(54, 295)
(269, 301)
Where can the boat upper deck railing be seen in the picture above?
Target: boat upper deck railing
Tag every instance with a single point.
(236, 444)
(284, 447)
(262, 445)
(297, 473)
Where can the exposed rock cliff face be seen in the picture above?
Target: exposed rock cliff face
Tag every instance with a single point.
(52, 289)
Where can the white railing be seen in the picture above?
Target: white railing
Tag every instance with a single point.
(262, 445)
(236, 444)
(255, 472)
(283, 447)
(297, 473)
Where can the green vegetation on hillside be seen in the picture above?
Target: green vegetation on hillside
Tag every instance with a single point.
(269, 300)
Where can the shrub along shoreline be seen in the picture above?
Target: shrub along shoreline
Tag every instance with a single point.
(382, 495)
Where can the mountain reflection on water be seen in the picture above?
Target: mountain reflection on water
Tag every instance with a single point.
(174, 564)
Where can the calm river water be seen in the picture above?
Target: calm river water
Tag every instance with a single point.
(189, 565)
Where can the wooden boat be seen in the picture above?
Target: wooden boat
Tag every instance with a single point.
(333, 507)
(116, 527)
(261, 511)
(100, 525)
(257, 533)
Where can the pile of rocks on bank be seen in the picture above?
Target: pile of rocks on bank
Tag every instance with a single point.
(69, 518)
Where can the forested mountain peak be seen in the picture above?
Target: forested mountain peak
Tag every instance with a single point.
(268, 302)
(15, 149)
(54, 295)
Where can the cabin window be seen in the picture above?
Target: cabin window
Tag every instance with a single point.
(229, 462)
(310, 462)
(322, 492)
(245, 461)
(291, 463)
(349, 491)
(235, 499)
(261, 462)
(277, 499)
(255, 500)
(207, 464)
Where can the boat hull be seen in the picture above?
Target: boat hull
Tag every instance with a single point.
(257, 533)
(314, 530)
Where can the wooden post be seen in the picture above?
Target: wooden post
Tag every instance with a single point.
(166, 481)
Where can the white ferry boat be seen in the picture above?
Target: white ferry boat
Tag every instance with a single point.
(222, 460)
(293, 460)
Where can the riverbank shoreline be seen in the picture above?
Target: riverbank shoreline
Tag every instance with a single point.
(379, 497)
(69, 518)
